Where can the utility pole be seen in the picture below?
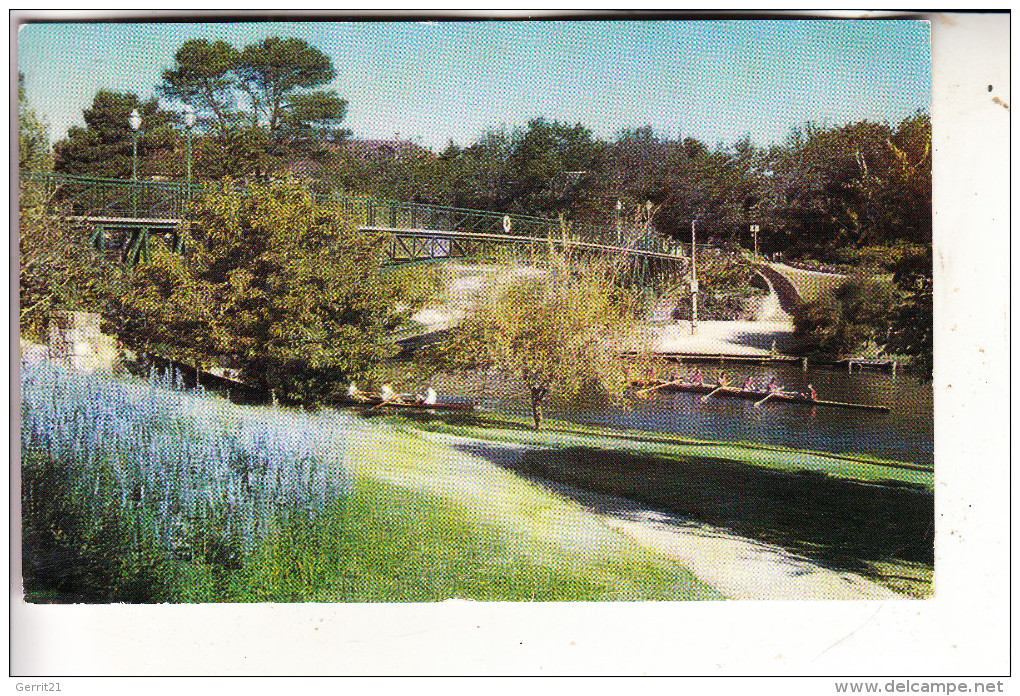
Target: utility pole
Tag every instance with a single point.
(619, 209)
(694, 281)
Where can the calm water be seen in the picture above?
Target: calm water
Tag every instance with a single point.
(905, 434)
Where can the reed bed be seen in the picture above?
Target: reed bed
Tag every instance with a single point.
(178, 476)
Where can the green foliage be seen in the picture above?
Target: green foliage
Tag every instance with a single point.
(860, 184)
(256, 107)
(478, 176)
(412, 176)
(203, 77)
(912, 325)
(33, 136)
(848, 319)
(239, 151)
(315, 115)
(552, 167)
(272, 71)
(274, 285)
(878, 259)
(411, 287)
(58, 270)
(558, 329)
(104, 148)
(266, 84)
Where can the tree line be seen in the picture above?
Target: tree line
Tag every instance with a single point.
(857, 195)
(843, 194)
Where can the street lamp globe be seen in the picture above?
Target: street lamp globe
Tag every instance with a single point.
(189, 121)
(134, 120)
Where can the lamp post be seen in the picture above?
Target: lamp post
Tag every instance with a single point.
(694, 281)
(619, 209)
(135, 121)
(754, 231)
(189, 121)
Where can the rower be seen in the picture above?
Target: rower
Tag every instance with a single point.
(749, 384)
(355, 394)
(430, 398)
(696, 377)
(811, 393)
(387, 394)
(722, 380)
(774, 387)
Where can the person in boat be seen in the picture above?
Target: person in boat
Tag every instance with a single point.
(722, 380)
(811, 393)
(749, 385)
(774, 387)
(355, 394)
(387, 395)
(674, 377)
(429, 398)
(696, 379)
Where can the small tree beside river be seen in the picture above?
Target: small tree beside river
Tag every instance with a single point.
(558, 328)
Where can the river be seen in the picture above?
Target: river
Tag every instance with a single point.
(904, 434)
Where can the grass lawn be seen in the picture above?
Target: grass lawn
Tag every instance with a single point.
(860, 515)
(561, 435)
(426, 523)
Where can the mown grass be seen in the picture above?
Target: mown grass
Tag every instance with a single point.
(138, 517)
(560, 434)
(394, 544)
(829, 510)
(426, 522)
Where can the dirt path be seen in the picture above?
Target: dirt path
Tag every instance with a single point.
(750, 338)
(735, 566)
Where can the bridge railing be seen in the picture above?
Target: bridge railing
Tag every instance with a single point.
(90, 196)
(403, 215)
(95, 197)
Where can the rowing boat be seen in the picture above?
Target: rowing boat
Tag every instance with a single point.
(376, 402)
(751, 395)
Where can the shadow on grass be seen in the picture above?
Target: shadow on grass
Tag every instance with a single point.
(840, 524)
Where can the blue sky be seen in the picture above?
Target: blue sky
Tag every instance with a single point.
(432, 81)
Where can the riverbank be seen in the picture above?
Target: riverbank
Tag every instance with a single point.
(740, 338)
(518, 431)
(751, 521)
(735, 566)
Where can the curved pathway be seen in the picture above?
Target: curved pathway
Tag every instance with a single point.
(794, 285)
(735, 566)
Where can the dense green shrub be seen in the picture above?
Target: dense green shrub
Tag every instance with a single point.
(847, 319)
(287, 291)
